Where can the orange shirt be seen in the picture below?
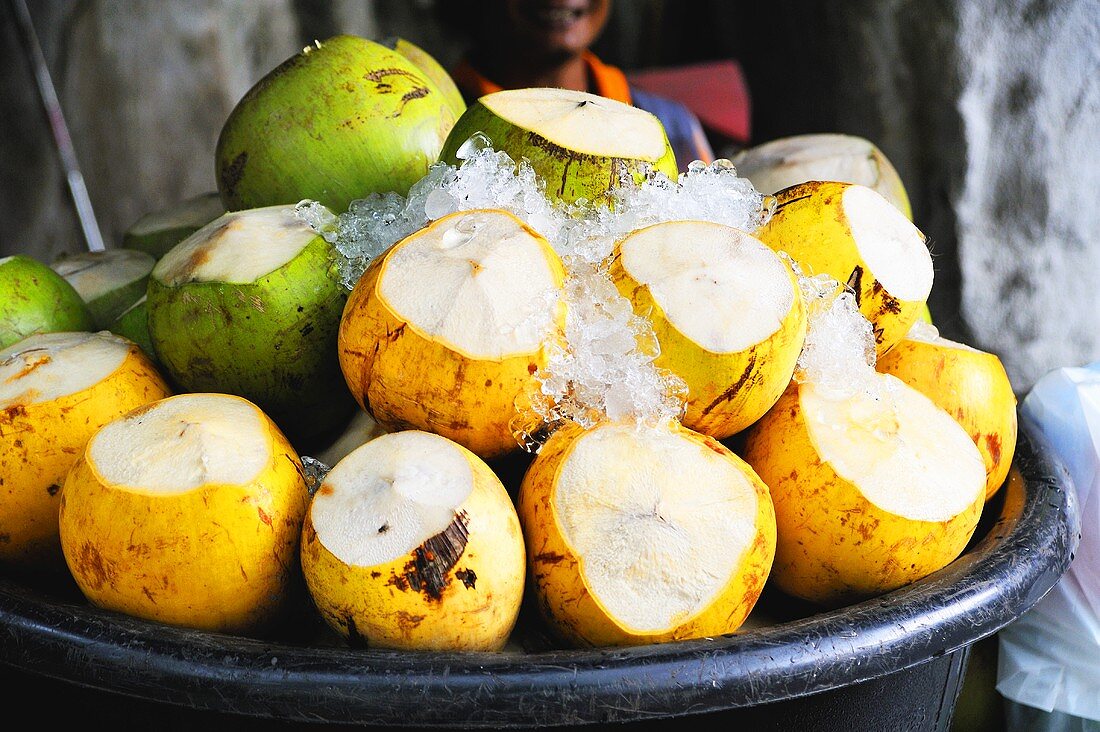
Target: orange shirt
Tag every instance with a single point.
(609, 81)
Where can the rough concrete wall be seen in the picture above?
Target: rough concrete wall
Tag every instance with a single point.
(1029, 208)
(145, 87)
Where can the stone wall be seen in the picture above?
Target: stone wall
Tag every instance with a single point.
(1028, 207)
(145, 87)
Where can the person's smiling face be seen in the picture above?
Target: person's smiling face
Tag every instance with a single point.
(555, 28)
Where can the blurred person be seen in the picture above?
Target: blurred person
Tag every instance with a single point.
(545, 43)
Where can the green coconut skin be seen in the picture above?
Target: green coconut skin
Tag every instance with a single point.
(434, 71)
(272, 341)
(158, 231)
(105, 308)
(333, 124)
(35, 299)
(134, 325)
(569, 175)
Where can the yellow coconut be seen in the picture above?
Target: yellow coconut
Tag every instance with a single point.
(411, 542)
(187, 512)
(56, 390)
(727, 314)
(970, 385)
(873, 489)
(640, 535)
(449, 327)
(856, 236)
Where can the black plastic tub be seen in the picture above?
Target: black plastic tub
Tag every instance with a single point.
(895, 662)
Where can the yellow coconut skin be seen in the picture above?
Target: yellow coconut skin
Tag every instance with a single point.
(407, 379)
(556, 571)
(971, 386)
(219, 558)
(40, 442)
(836, 547)
(810, 225)
(390, 606)
(726, 391)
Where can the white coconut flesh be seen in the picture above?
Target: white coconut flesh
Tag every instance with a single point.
(239, 247)
(903, 453)
(182, 443)
(95, 274)
(360, 430)
(922, 332)
(194, 212)
(720, 287)
(49, 366)
(782, 163)
(478, 281)
(659, 522)
(389, 496)
(581, 122)
(892, 247)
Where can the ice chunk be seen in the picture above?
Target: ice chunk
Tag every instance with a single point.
(317, 217)
(924, 332)
(439, 203)
(315, 472)
(475, 144)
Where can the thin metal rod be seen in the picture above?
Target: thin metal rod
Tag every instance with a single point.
(62, 140)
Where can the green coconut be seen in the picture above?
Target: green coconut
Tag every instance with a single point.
(250, 305)
(341, 119)
(110, 281)
(35, 299)
(158, 231)
(580, 144)
(432, 68)
(133, 324)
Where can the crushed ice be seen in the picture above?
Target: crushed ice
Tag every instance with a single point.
(317, 217)
(839, 352)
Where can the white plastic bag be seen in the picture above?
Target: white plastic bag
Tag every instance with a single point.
(1050, 657)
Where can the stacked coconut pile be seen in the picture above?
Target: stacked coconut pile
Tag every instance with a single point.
(404, 292)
